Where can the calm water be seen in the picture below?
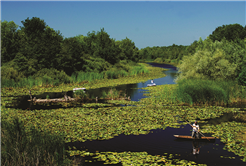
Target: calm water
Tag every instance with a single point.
(133, 90)
(161, 141)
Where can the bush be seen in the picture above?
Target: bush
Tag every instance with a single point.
(95, 65)
(242, 77)
(201, 91)
(211, 65)
(52, 75)
(9, 73)
(158, 60)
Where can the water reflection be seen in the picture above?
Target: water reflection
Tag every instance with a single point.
(159, 141)
(195, 148)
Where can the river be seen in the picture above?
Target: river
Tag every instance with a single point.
(160, 141)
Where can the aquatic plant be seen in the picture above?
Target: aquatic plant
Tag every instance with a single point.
(22, 147)
(97, 121)
(227, 132)
(132, 158)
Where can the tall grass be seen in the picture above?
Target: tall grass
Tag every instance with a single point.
(29, 82)
(75, 77)
(86, 76)
(112, 94)
(20, 146)
(196, 91)
(109, 74)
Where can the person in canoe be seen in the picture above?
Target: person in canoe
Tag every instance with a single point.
(195, 131)
(152, 81)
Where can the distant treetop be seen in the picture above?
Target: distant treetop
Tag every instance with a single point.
(230, 32)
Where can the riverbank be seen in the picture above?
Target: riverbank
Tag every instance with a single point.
(154, 72)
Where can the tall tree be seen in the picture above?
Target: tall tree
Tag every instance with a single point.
(40, 42)
(9, 41)
(104, 47)
(230, 32)
(129, 50)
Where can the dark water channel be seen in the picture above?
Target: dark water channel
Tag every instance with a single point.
(133, 90)
(159, 141)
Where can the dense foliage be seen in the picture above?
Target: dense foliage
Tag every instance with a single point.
(230, 32)
(221, 56)
(39, 51)
(169, 54)
(222, 60)
(35, 47)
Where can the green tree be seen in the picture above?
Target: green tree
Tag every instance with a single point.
(230, 32)
(129, 50)
(207, 65)
(40, 43)
(9, 41)
(104, 47)
(71, 57)
(242, 77)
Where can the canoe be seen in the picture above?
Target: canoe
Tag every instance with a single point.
(189, 137)
(151, 84)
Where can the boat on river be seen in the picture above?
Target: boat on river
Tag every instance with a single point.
(151, 84)
(189, 137)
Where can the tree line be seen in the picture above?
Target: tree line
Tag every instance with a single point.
(221, 56)
(35, 47)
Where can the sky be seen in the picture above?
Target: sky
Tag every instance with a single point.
(146, 23)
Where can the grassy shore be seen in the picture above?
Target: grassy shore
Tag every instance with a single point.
(154, 72)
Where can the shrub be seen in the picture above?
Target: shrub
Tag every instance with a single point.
(9, 73)
(201, 91)
(158, 60)
(242, 77)
(52, 75)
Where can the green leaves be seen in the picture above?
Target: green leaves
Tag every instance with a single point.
(229, 32)
(242, 77)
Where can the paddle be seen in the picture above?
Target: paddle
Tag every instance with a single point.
(198, 131)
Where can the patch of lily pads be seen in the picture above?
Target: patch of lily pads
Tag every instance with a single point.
(133, 158)
(103, 121)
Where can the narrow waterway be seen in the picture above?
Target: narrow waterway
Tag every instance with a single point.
(159, 141)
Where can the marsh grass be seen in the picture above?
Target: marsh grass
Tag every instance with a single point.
(208, 92)
(20, 146)
(80, 94)
(78, 77)
(112, 94)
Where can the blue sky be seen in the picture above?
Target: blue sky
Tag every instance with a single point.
(146, 23)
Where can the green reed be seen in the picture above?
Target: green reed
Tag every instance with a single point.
(208, 91)
(22, 146)
(78, 77)
(112, 94)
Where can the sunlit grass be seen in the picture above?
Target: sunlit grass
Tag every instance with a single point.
(77, 78)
